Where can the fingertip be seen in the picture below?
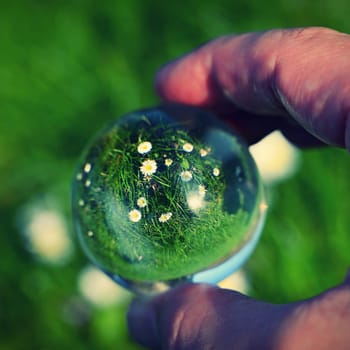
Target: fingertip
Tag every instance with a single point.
(161, 81)
(187, 80)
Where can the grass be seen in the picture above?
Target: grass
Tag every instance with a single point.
(67, 68)
(163, 201)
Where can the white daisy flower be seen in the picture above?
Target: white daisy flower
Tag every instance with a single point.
(135, 215)
(168, 162)
(216, 172)
(204, 151)
(187, 147)
(201, 190)
(87, 167)
(79, 176)
(141, 202)
(144, 147)
(186, 176)
(165, 217)
(149, 167)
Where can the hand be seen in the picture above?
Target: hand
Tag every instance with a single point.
(198, 316)
(294, 80)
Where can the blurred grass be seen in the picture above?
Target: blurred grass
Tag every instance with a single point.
(66, 68)
(305, 245)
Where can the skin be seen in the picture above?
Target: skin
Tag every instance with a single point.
(297, 81)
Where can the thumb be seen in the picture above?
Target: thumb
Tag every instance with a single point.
(199, 316)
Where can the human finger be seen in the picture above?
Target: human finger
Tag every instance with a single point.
(198, 316)
(287, 79)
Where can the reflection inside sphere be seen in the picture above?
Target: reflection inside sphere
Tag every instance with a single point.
(167, 195)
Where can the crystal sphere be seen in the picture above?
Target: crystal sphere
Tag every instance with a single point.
(167, 195)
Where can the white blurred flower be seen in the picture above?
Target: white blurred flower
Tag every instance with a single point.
(99, 289)
(203, 152)
(195, 201)
(141, 202)
(201, 190)
(216, 172)
(144, 147)
(238, 281)
(135, 215)
(168, 162)
(276, 158)
(187, 147)
(87, 167)
(87, 183)
(186, 176)
(165, 217)
(47, 235)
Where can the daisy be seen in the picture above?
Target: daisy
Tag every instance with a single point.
(216, 172)
(149, 167)
(168, 162)
(144, 147)
(201, 190)
(187, 147)
(186, 175)
(135, 215)
(141, 202)
(87, 167)
(203, 152)
(165, 217)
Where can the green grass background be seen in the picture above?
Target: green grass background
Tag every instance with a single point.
(67, 68)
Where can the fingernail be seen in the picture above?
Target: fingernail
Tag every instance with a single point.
(142, 323)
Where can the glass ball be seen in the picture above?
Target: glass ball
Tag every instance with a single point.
(167, 195)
